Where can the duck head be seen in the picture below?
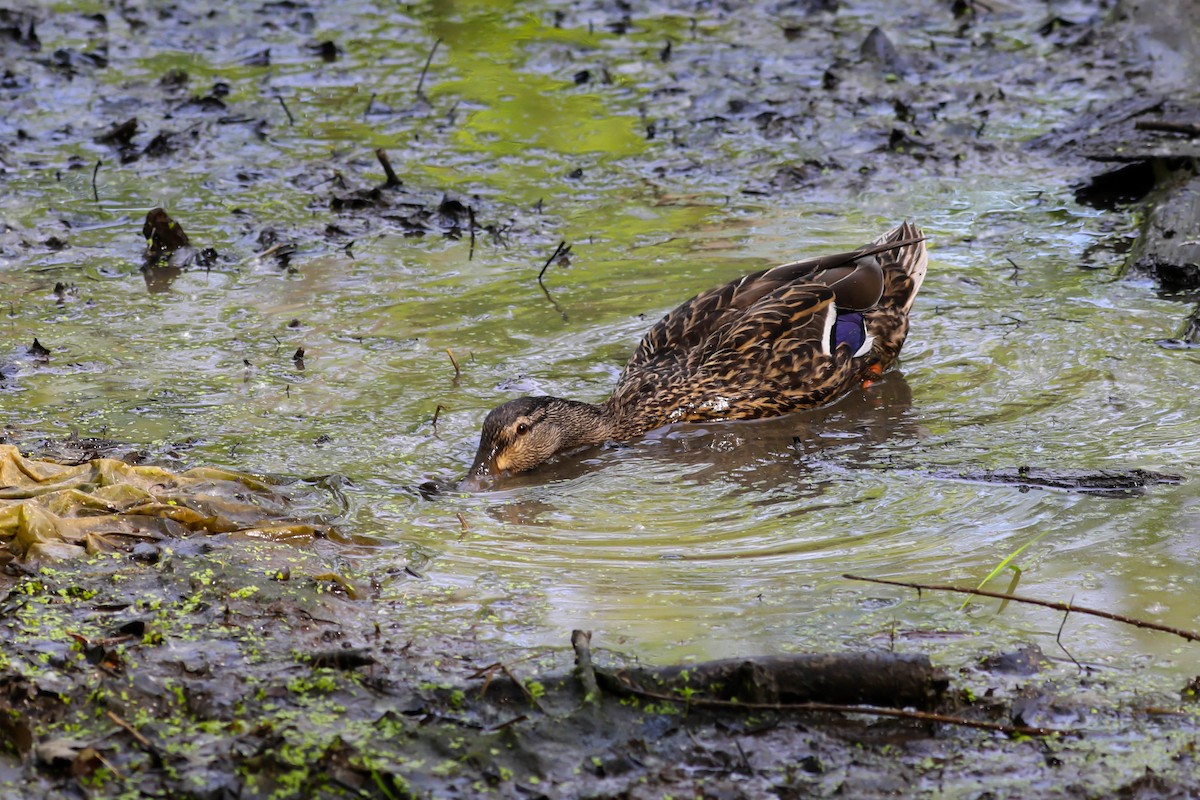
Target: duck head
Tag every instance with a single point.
(527, 432)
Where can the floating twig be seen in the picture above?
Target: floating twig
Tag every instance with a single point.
(462, 520)
(291, 119)
(386, 163)
(1016, 269)
(146, 744)
(1009, 319)
(425, 69)
(436, 412)
(481, 671)
(1191, 636)
(454, 361)
(1171, 712)
(561, 251)
(270, 251)
(550, 260)
(1058, 638)
(513, 721)
(471, 228)
(370, 102)
(1167, 126)
(95, 170)
(108, 765)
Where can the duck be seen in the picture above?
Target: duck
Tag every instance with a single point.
(791, 337)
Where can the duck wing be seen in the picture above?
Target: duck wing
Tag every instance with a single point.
(855, 278)
(775, 356)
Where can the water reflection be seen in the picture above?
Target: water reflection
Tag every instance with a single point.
(160, 277)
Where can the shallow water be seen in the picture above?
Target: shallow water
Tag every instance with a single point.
(701, 541)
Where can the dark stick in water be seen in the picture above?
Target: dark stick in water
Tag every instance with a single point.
(1191, 636)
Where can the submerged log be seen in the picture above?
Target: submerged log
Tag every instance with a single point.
(871, 678)
(1109, 483)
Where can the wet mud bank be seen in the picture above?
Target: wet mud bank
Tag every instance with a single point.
(223, 669)
(218, 665)
(1147, 150)
(1145, 147)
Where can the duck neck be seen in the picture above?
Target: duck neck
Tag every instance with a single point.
(584, 424)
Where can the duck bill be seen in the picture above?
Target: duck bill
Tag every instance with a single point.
(483, 471)
(471, 483)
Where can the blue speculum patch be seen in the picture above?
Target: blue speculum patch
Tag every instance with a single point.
(849, 330)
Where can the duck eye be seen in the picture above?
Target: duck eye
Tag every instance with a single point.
(522, 429)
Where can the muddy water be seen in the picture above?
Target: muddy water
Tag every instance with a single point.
(698, 541)
(728, 539)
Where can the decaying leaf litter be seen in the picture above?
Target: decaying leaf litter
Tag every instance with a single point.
(50, 511)
(209, 666)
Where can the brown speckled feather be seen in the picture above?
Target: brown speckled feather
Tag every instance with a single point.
(691, 323)
(760, 346)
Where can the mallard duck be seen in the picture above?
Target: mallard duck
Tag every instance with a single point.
(787, 338)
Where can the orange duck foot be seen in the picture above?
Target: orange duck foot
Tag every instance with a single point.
(875, 370)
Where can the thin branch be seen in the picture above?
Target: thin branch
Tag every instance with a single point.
(436, 412)
(562, 249)
(481, 671)
(533, 701)
(425, 69)
(1058, 638)
(1190, 636)
(746, 765)
(550, 260)
(109, 765)
(386, 163)
(454, 361)
(95, 170)
(875, 711)
(270, 251)
(1016, 271)
(490, 672)
(291, 119)
(1169, 712)
(146, 744)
